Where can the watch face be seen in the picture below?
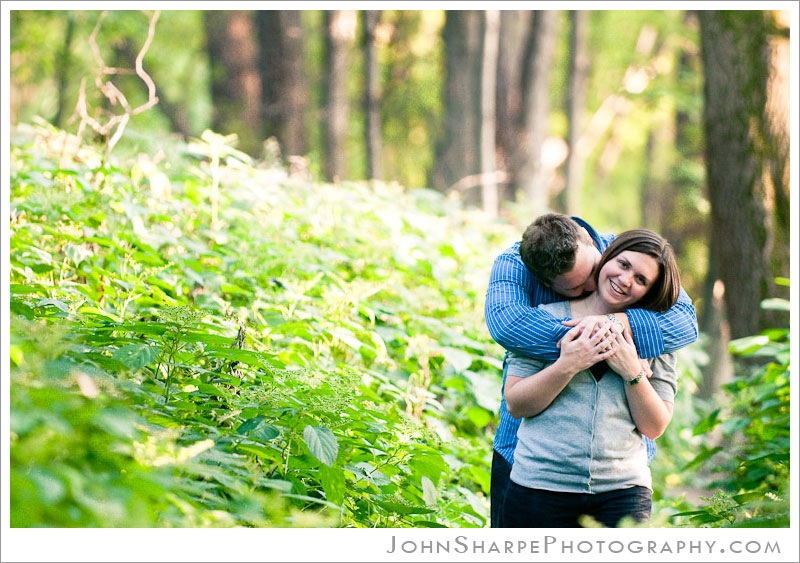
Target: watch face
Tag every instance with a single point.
(616, 323)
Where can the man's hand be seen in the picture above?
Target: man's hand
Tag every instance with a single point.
(593, 324)
(587, 343)
(597, 322)
(621, 317)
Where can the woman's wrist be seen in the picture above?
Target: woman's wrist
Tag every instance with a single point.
(636, 378)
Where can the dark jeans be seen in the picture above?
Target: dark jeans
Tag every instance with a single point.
(536, 508)
(501, 477)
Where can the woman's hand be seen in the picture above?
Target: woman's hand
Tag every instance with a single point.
(650, 413)
(625, 359)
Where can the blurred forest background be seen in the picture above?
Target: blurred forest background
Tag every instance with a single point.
(677, 121)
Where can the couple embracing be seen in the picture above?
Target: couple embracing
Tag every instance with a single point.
(590, 324)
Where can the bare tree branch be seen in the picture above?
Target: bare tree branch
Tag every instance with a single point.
(117, 122)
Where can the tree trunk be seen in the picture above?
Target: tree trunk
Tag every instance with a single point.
(372, 96)
(491, 38)
(339, 37)
(734, 53)
(514, 29)
(777, 156)
(538, 64)
(458, 149)
(683, 222)
(283, 79)
(63, 71)
(576, 103)
(235, 83)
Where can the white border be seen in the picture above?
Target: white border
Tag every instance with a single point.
(200, 545)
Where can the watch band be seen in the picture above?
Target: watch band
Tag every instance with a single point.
(615, 322)
(636, 379)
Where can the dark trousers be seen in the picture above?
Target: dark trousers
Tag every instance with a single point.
(501, 477)
(535, 508)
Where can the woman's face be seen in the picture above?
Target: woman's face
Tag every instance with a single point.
(626, 278)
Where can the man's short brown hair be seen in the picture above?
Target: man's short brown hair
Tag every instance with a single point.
(549, 245)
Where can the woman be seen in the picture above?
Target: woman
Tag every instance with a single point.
(580, 449)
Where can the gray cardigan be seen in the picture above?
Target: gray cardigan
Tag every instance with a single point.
(585, 441)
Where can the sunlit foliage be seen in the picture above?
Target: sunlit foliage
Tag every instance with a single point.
(198, 339)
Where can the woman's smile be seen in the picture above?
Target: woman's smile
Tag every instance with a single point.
(616, 288)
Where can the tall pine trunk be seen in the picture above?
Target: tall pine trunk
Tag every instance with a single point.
(283, 79)
(491, 39)
(576, 103)
(235, 81)
(514, 29)
(458, 148)
(734, 54)
(372, 96)
(531, 177)
(339, 37)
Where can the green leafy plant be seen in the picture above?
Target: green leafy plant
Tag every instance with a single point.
(282, 354)
(752, 469)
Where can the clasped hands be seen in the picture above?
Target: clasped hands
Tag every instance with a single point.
(593, 339)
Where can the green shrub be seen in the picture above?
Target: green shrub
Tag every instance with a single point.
(206, 341)
(746, 441)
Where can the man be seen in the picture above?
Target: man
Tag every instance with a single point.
(564, 252)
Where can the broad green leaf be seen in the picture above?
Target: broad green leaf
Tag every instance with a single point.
(428, 492)
(430, 465)
(249, 425)
(775, 304)
(212, 390)
(95, 311)
(708, 423)
(255, 428)
(137, 356)
(233, 289)
(365, 470)
(428, 524)
(478, 416)
(265, 433)
(78, 253)
(18, 308)
(277, 484)
(19, 288)
(748, 344)
(459, 359)
(702, 457)
(51, 487)
(57, 303)
(398, 508)
(347, 337)
(16, 355)
(322, 443)
(261, 452)
(333, 483)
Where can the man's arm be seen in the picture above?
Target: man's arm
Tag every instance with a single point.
(658, 333)
(511, 314)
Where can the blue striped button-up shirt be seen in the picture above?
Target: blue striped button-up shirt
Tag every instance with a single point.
(516, 324)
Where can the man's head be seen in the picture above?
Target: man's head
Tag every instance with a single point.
(561, 254)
